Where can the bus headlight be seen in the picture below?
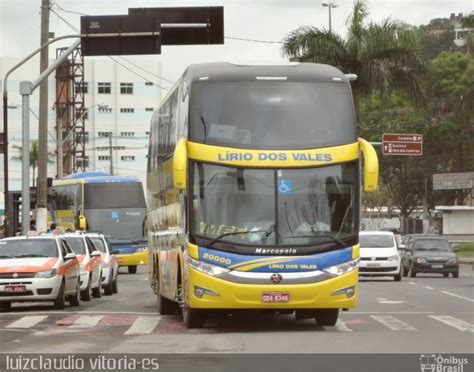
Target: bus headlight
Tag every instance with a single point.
(342, 268)
(46, 274)
(206, 268)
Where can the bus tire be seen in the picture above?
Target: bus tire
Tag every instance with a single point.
(192, 318)
(327, 317)
(132, 269)
(166, 306)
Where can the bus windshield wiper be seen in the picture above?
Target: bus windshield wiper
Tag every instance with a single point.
(219, 237)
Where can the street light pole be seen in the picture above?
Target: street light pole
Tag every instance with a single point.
(330, 5)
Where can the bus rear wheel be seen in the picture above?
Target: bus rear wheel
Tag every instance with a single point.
(327, 317)
(192, 318)
(132, 269)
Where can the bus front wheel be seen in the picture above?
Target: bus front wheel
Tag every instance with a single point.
(327, 317)
(132, 269)
(192, 318)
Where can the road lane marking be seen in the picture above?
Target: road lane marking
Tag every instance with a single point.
(77, 312)
(27, 321)
(454, 322)
(411, 282)
(456, 295)
(393, 323)
(86, 321)
(429, 288)
(143, 325)
(391, 302)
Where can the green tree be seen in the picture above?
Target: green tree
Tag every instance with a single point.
(383, 55)
(33, 157)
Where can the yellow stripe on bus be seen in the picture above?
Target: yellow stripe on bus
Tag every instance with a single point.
(273, 158)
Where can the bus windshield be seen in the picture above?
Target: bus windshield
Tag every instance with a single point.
(117, 210)
(272, 115)
(299, 207)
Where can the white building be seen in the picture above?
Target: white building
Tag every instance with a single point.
(129, 100)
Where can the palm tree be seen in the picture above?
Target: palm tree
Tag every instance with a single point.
(383, 55)
(33, 157)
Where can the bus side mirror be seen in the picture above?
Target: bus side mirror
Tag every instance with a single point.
(371, 166)
(180, 163)
(82, 222)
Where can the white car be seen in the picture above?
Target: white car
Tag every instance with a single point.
(109, 263)
(90, 264)
(38, 268)
(379, 254)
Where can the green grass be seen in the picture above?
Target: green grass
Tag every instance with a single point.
(465, 249)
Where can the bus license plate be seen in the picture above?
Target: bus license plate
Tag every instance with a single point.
(436, 266)
(15, 288)
(275, 296)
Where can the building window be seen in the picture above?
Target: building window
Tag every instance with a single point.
(127, 110)
(147, 133)
(148, 83)
(126, 88)
(127, 158)
(84, 85)
(104, 134)
(104, 157)
(105, 109)
(149, 109)
(127, 134)
(86, 137)
(107, 148)
(104, 88)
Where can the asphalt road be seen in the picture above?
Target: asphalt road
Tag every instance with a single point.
(426, 314)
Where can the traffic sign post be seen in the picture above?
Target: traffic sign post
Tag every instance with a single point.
(402, 144)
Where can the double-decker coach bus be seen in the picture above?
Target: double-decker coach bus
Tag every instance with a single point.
(254, 182)
(99, 202)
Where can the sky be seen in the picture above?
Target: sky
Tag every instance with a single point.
(265, 20)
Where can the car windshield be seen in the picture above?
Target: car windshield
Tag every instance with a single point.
(431, 245)
(376, 241)
(28, 248)
(99, 244)
(77, 244)
(273, 207)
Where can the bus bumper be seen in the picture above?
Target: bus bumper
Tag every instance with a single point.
(133, 259)
(222, 294)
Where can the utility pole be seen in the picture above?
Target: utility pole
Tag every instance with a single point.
(41, 194)
(111, 155)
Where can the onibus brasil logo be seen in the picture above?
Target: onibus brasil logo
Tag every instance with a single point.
(442, 363)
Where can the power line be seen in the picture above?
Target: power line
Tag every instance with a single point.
(145, 70)
(253, 40)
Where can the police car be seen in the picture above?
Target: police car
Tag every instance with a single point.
(90, 264)
(109, 263)
(38, 268)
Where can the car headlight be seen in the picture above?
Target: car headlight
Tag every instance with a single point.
(141, 249)
(420, 260)
(395, 257)
(453, 260)
(342, 268)
(206, 268)
(46, 274)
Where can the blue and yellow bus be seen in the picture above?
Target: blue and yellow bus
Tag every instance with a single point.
(254, 186)
(99, 202)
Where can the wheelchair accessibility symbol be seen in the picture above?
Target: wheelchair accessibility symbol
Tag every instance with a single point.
(285, 186)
